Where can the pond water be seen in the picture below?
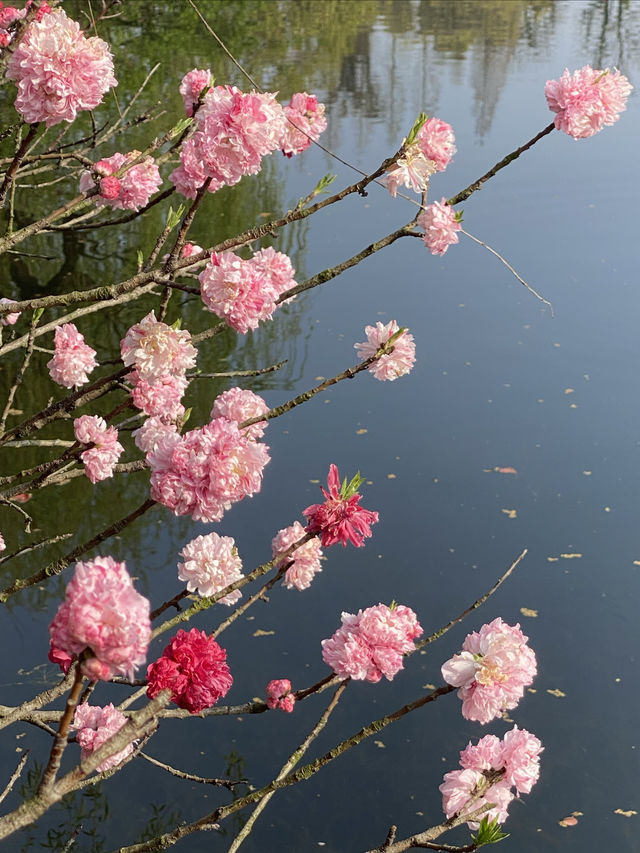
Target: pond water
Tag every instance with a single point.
(499, 383)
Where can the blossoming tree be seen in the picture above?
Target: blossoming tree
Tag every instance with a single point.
(101, 632)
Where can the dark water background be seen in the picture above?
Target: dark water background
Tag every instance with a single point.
(498, 383)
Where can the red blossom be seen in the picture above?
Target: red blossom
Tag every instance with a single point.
(339, 518)
(193, 666)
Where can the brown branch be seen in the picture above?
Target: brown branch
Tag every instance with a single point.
(476, 185)
(57, 566)
(477, 603)
(202, 780)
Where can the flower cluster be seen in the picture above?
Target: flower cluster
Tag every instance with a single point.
(491, 768)
(234, 131)
(9, 319)
(73, 360)
(339, 518)
(157, 350)
(58, 70)
(494, 667)
(211, 563)
(131, 190)
(98, 460)
(279, 695)
(437, 142)
(305, 560)
(191, 86)
(152, 432)
(305, 122)
(440, 224)
(394, 364)
(95, 725)
(203, 472)
(8, 15)
(431, 152)
(162, 398)
(194, 668)
(587, 100)
(245, 292)
(372, 643)
(103, 613)
(239, 405)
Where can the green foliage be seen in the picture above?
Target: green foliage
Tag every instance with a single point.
(347, 490)
(415, 130)
(489, 832)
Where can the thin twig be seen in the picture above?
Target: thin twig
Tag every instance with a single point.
(15, 776)
(57, 566)
(510, 268)
(21, 371)
(288, 766)
(477, 603)
(182, 774)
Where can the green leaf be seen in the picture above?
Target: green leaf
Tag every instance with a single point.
(174, 217)
(489, 832)
(177, 129)
(177, 323)
(323, 183)
(349, 489)
(140, 259)
(415, 130)
(36, 315)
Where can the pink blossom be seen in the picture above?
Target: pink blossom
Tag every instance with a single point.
(412, 170)
(131, 190)
(194, 668)
(305, 122)
(494, 667)
(234, 131)
(279, 695)
(339, 518)
(43, 9)
(73, 360)
(241, 404)
(395, 364)
(233, 289)
(521, 759)
(437, 142)
(63, 659)
(490, 769)
(192, 85)
(103, 613)
(160, 399)
(3, 546)
(440, 226)
(587, 100)
(211, 563)
(372, 643)
(95, 725)
(110, 188)
(305, 560)
(206, 470)
(152, 432)
(461, 795)
(190, 249)
(277, 268)
(58, 70)
(9, 319)
(99, 460)
(157, 350)
(9, 14)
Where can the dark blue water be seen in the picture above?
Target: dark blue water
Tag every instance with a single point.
(499, 382)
